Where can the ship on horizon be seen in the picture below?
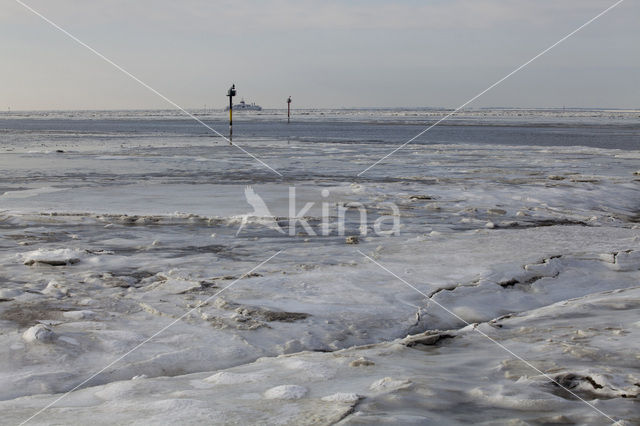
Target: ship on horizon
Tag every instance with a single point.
(243, 106)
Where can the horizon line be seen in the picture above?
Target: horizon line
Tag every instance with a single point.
(9, 110)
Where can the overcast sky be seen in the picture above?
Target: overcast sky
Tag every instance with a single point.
(324, 53)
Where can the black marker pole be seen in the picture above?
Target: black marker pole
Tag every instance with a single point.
(231, 93)
(289, 110)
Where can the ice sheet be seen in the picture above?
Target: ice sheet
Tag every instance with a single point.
(124, 232)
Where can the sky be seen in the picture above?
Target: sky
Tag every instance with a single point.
(323, 53)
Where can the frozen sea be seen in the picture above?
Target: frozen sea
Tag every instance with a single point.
(508, 293)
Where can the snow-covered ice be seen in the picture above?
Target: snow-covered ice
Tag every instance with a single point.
(127, 232)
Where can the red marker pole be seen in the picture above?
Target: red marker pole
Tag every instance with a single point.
(289, 110)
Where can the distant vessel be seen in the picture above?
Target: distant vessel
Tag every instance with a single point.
(243, 106)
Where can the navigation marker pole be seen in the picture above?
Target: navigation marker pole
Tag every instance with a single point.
(231, 93)
(289, 110)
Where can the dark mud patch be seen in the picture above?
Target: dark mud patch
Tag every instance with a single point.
(586, 387)
(539, 223)
(66, 262)
(271, 316)
(514, 281)
(26, 316)
(428, 338)
(126, 280)
(282, 316)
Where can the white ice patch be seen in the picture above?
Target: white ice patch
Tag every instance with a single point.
(57, 257)
(26, 193)
(55, 289)
(178, 286)
(342, 397)
(389, 384)
(519, 399)
(69, 340)
(39, 333)
(309, 370)
(286, 392)
(628, 261)
(79, 315)
(116, 390)
(228, 378)
(8, 293)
